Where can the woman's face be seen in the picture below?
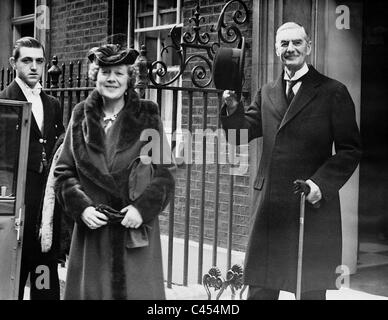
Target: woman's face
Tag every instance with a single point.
(112, 82)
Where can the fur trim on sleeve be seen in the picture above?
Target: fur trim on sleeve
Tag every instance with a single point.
(76, 199)
(46, 228)
(67, 186)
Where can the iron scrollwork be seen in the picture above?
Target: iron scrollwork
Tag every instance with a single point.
(234, 280)
(232, 32)
(196, 40)
(213, 279)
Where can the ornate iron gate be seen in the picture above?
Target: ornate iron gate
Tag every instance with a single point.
(196, 46)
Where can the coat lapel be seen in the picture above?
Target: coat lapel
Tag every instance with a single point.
(47, 112)
(15, 93)
(89, 144)
(277, 96)
(306, 93)
(90, 158)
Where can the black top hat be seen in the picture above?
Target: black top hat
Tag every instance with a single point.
(228, 68)
(112, 55)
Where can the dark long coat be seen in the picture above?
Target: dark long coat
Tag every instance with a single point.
(100, 264)
(298, 146)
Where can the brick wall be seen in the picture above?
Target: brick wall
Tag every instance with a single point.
(210, 10)
(77, 26)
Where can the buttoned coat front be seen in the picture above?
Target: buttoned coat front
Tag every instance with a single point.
(298, 145)
(92, 170)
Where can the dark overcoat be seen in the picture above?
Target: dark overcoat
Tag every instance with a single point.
(298, 145)
(100, 264)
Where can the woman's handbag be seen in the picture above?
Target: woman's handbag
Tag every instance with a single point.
(141, 172)
(140, 176)
(136, 238)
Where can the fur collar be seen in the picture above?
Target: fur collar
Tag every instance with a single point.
(89, 137)
(136, 117)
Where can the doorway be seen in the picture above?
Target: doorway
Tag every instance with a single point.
(373, 191)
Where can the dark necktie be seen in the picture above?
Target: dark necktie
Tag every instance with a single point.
(290, 93)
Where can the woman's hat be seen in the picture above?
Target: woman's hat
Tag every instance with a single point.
(112, 55)
(91, 54)
(228, 68)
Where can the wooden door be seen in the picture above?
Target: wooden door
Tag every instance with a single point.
(374, 124)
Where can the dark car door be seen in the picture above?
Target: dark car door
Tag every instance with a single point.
(15, 118)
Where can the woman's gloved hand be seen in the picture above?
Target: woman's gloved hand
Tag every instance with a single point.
(93, 219)
(133, 218)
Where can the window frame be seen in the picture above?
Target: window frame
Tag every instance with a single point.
(151, 93)
(19, 20)
(155, 26)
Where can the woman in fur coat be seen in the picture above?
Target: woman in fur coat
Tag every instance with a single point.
(113, 258)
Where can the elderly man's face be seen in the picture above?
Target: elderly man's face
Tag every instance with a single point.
(292, 47)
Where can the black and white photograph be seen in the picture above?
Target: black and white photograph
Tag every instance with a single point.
(205, 151)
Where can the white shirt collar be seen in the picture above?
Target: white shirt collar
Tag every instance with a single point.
(298, 74)
(35, 99)
(27, 90)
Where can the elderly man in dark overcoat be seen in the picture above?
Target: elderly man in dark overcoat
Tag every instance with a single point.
(300, 116)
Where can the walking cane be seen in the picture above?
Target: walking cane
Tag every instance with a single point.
(300, 186)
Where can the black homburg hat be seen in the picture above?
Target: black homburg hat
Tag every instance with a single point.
(228, 68)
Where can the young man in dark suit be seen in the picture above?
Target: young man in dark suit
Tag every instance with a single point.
(300, 116)
(28, 60)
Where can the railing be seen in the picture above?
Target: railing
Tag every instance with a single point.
(70, 84)
(182, 214)
(6, 77)
(196, 46)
